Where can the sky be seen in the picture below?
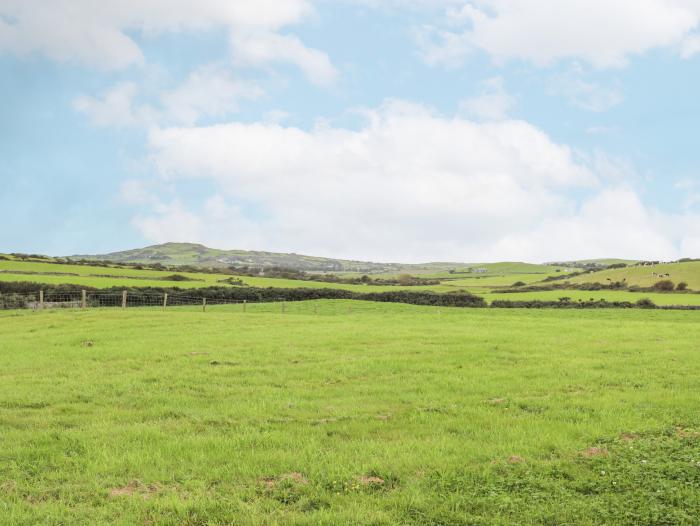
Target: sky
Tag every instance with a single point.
(384, 130)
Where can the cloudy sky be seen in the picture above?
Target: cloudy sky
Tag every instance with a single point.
(393, 130)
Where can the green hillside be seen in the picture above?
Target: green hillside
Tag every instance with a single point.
(646, 276)
(199, 255)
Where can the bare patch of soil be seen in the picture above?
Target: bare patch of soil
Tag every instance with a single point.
(595, 452)
(295, 477)
(371, 481)
(134, 487)
(515, 459)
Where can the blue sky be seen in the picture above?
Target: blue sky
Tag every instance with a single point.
(395, 130)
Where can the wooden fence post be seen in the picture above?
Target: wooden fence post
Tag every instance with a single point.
(124, 300)
(204, 304)
(245, 302)
(41, 299)
(83, 302)
(165, 300)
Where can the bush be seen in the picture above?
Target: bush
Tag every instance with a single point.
(178, 277)
(646, 303)
(682, 286)
(518, 284)
(665, 285)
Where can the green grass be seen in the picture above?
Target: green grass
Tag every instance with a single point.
(467, 416)
(659, 298)
(642, 276)
(93, 276)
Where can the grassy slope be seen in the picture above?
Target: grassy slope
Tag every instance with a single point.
(483, 285)
(87, 275)
(688, 272)
(436, 405)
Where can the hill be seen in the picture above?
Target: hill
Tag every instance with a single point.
(646, 276)
(169, 254)
(201, 256)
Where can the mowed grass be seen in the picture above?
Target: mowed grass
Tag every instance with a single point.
(349, 413)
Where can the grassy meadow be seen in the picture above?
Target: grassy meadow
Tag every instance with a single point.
(340, 412)
(688, 272)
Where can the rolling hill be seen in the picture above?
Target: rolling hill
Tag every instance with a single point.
(201, 256)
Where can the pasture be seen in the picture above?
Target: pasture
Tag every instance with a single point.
(487, 285)
(688, 272)
(349, 413)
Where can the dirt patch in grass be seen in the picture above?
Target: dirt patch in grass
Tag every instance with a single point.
(686, 433)
(515, 459)
(371, 481)
(595, 452)
(294, 477)
(135, 487)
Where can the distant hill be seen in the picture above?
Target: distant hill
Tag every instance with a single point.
(172, 254)
(199, 255)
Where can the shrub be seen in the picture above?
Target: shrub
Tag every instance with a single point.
(665, 285)
(519, 284)
(646, 303)
(177, 277)
(682, 286)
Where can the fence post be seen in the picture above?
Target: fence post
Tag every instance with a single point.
(41, 299)
(83, 299)
(165, 300)
(204, 304)
(124, 300)
(245, 302)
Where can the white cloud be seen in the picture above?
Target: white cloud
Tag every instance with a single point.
(410, 186)
(216, 224)
(209, 91)
(585, 94)
(267, 47)
(493, 102)
(116, 108)
(97, 33)
(690, 46)
(603, 33)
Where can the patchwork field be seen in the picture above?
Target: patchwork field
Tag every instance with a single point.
(360, 414)
(503, 275)
(646, 276)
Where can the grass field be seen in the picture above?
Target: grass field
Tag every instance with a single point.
(486, 285)
(390, 414)
(104, 277)
(660, 298)
(643, 276)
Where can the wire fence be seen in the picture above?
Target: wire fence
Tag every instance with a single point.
(41, 301)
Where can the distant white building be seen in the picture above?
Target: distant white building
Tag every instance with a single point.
(480, 270)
